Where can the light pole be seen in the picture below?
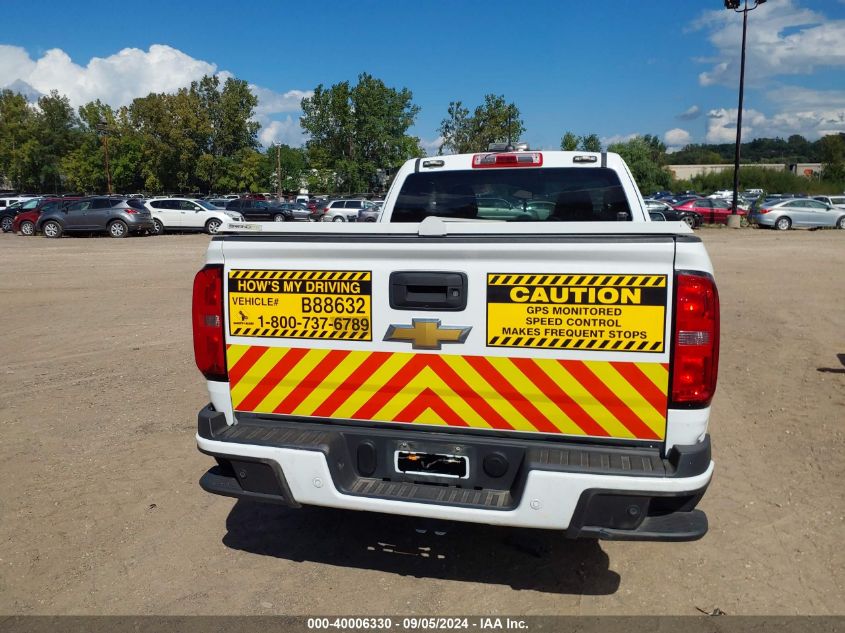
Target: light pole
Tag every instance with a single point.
(733, 5)
(103, 128)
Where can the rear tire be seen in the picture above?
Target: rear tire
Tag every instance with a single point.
(279, 217)
(27, 228)
(52, 228)
(783, 224)
(212, 226)
(6, 224)
(118, 229)
(338, 218)
(841, 223)
(158, 227)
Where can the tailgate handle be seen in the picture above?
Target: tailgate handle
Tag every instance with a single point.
(421, 290)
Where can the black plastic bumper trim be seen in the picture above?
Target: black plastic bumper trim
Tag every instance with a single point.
(638, 516)
(499, 488)
(224, 480)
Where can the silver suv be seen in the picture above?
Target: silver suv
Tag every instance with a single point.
(117, 216)
(344, 210)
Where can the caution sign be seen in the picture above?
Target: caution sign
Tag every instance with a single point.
(312, 304)
(611, 313)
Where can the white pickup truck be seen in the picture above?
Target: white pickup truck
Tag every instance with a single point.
(514, 343)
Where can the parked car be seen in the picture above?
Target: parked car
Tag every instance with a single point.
(501, 209)
(798, 212)
(299, 211)
(25, 221)
(185, 214)
(369, 214)
(711, 210)
(692, 218)
(7, 202)
(260, 210)
(117, 216)
(343, 210)
(7, 215)
(835, 201)
(220, 203)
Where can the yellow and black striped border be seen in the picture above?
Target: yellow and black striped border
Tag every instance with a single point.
(303, 275)
(604, 281)
(540, 342)
(349, 335)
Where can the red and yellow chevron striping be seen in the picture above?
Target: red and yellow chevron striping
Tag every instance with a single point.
(586, 398)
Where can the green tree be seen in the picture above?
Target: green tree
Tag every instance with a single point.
(56, 134)
(494, 121)
(590, 143)
(569, 142)
(292, 162)
(17, 120)
(356, 130)
(454, 130)
(833, 157)
(645, 156)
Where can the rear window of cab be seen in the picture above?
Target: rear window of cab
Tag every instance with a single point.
(565, 194)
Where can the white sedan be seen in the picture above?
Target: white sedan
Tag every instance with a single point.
(187, 214)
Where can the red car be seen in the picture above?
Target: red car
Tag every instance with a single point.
(711, 210)
(25, 222)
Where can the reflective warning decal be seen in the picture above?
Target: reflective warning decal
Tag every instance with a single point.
(611, 313)
(608, 399)
(311, 304)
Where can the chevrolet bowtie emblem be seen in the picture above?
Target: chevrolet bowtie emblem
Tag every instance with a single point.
(426, 333)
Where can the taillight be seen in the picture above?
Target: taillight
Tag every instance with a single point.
(209, 343)
(515, 159)
(695, 341)
(130, 211)
(763, 210)
(325, 209)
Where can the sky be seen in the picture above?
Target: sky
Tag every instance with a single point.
(616, 68)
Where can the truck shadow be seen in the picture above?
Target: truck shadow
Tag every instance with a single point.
(540, 560)
(834, 370)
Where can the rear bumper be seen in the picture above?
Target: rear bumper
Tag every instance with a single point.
(587, 491)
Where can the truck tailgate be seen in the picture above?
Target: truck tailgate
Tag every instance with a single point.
(559, 335)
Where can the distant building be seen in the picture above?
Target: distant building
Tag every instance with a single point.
(685, 172)
(809, 170)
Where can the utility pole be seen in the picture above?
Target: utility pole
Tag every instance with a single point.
(279, 170)
(103, 128)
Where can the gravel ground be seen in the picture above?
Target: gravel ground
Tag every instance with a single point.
(102, 514)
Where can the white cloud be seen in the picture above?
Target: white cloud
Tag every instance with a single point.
(618, 138)
(782, 39)
(810, 123)
(270, 102)
(431, 147)
(15, 63)
(676, 137)
(131, 72)
(287, 132)
(693, 112)
(116, 79)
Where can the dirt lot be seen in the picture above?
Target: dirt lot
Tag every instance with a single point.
(101, 512)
